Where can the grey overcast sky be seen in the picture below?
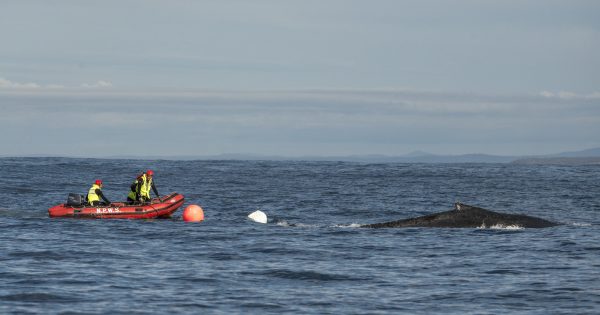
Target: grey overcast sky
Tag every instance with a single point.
(327, 77)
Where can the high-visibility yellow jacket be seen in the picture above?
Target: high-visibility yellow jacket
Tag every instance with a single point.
(142, 185)
(146, 185)
(92, 196)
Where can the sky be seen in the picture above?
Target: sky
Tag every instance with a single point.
(296, 78)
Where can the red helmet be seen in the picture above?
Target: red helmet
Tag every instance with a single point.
(150, 172)
(98, 182)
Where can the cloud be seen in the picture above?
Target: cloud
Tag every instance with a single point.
(292, 122)
(565, 95)
(319, 104)
(8, 84)
(99, 84)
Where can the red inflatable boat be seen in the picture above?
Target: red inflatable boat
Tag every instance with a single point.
(121, 210)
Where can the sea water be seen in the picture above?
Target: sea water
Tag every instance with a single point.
(311, 257)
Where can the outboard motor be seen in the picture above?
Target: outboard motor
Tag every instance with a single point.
(75, 200)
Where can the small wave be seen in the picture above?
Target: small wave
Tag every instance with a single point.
(282, 223)
(307, 275)
(305, 225)
(581, 224)
(190, 279)
(287, 224)
(351, 225)
(193, 305)
(503, 272)
(273, 250)
(8, 212)
(35, 297)
(225, 256)
(44, 254)
(501, 227)
(262, 306)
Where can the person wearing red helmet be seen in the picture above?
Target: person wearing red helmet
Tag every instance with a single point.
(95, 193)
(140, 189)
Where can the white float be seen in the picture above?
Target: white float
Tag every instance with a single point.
(258, 216)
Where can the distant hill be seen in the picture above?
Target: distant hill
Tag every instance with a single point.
(583, 153)
(559, 161)
(583, 157)
(588, 156)
(411, 158)
(463, 158)
(578, 157)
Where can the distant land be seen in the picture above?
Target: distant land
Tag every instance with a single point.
(559, 161)
(583, 157)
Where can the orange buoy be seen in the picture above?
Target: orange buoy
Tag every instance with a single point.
(193, 213)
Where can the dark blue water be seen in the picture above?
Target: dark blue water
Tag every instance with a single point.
(310, 258)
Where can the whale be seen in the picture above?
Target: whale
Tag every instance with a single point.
(466, 216)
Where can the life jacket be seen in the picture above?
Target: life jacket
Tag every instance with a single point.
(132, 194)
(146, 186)
(92, 196)
(135, 186)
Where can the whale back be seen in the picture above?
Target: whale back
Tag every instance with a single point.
(467, 217)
